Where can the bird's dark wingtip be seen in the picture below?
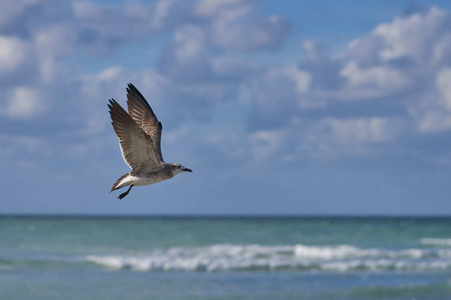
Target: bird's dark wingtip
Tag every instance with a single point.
(131, 87)
(133, 91)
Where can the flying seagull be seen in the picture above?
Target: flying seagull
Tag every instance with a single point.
(139, 134)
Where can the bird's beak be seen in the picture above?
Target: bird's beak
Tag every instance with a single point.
(187, 170)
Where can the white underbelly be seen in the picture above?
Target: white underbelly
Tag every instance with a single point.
(139, 181)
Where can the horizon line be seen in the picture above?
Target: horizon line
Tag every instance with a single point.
(226, 215)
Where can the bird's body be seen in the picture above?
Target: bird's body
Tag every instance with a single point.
(139, 134)
(144, 178)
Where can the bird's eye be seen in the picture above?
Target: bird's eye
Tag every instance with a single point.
(178, 166)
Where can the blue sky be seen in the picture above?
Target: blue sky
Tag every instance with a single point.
(279, 107)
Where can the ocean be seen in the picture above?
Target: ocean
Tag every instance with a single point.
(224, 258)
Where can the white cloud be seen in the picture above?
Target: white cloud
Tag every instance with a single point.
(371, 130)
(443, 83)
(269, 32)
(402, 64)
(396, 57)
(234, 25)
(333, 137)
(233, 8)
(103, 28)
(300, 78)
(280, 85)
(411, 36)
(372, 82)
(430, 121)
(191, 45)
(433, 111)
(311, 49)
(162, 14)
(12, 53)
(23, 103)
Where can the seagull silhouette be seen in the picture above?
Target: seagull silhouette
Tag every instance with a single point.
(139, 134)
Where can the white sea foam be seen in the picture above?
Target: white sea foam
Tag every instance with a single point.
(328, 253)
(225, 257)
(436, 241)
(347, 252)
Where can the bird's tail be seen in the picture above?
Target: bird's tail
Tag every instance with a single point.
(116, 184)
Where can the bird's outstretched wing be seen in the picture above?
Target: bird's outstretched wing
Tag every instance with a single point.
(143, 115)
(137, 146)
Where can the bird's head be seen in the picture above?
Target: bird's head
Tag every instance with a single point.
(178, 168)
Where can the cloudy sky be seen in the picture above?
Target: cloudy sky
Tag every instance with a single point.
(279, 107)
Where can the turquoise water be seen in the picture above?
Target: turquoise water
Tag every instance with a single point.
(224, 258)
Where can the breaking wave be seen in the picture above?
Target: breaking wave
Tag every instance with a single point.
(226, 257)
(436, 241)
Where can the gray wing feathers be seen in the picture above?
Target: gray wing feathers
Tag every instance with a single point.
(143, 115)
(136, 146)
